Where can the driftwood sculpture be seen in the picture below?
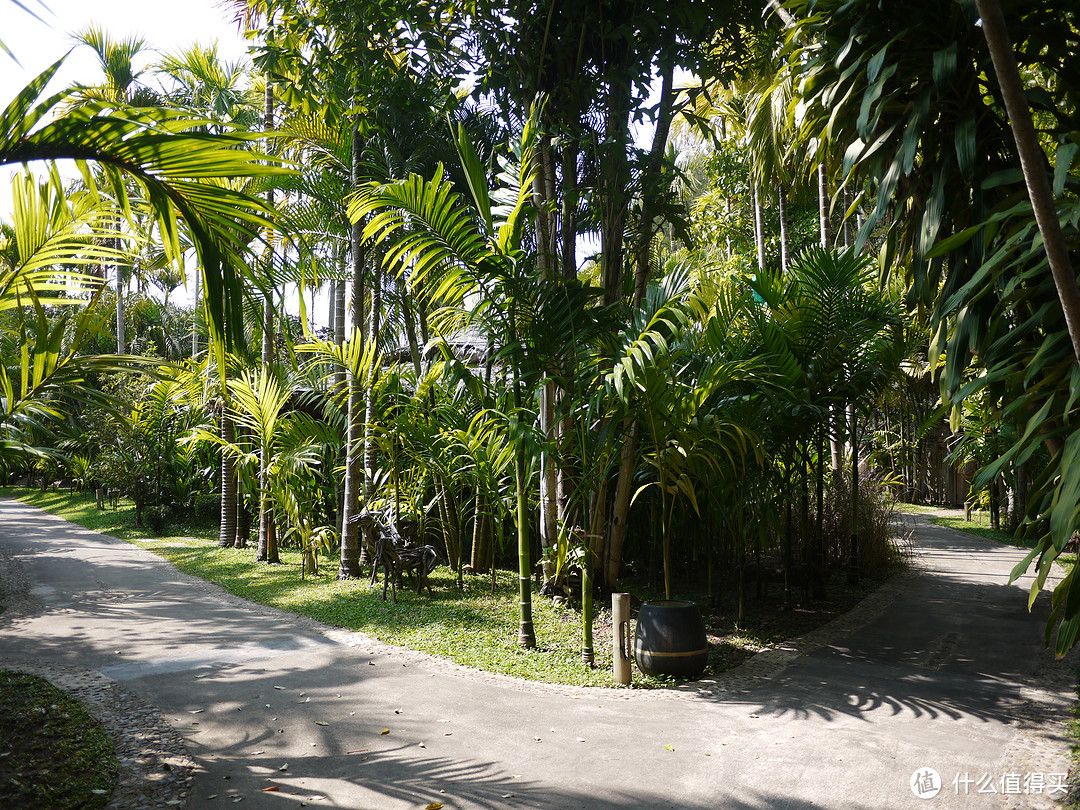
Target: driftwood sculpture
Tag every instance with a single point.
(387, 550)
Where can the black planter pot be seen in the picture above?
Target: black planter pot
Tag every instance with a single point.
(670, 639)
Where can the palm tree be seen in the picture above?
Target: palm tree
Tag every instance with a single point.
(121, 85)
(184, 173)
(476, 248)
(53, 233)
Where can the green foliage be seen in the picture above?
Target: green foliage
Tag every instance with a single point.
(184, 173)
(912, 102)
(141, 452)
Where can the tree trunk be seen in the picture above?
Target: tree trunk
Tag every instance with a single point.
(785, 237)
(195, 315)
(823, 205)
(549, 508)
(374, 325)
(479, 556)
(650, 181)
(853, 557)
(267, 549)
(1033, 163)
(759, 228)
(547, 254)
(349, 567)
(227, 533)
(620, 509)
(614, 182)
(121, 320)
(526, 634)
(569, 209)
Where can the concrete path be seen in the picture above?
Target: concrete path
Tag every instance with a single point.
(943, 669)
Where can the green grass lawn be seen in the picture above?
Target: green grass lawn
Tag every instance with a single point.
(53, 754)
(471, 626)
(979, 524)
(916, 508)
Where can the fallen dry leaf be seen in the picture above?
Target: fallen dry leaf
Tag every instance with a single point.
(270, 789)
(284, 767)
(434, 806)
(398, 711)
(422, 745)
(321, 723)
(669, 748)
(385, 731)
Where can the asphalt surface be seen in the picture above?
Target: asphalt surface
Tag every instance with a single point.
(947, 673)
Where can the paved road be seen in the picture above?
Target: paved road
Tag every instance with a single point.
(942, 669)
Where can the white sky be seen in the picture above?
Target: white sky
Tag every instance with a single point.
(166, 25)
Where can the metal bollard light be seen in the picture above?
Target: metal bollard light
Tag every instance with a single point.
(620, 639)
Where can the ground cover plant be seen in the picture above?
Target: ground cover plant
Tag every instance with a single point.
(53, 754)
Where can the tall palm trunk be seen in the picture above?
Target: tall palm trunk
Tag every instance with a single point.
(268, 549)
(481, 539)
(121, 320)
(227, 533)
(354, 443)
(374, 325)
(610, 558)
(195, 315)
(824, 225)
(853, 557)
(526, 634)
(836, 412)
(339, 372)
(1033, 163)
(547, 255)
(614, 180)
(620, 509)
(759, 228)
(785, 237)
